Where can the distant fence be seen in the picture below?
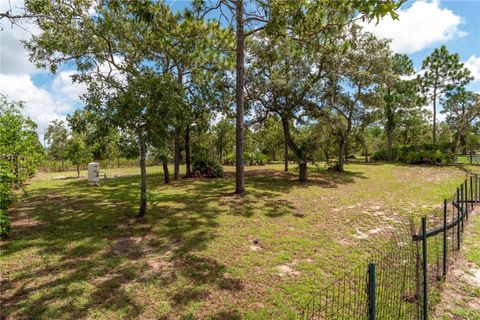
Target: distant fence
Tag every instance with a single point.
(467, 159)
(398, 281)
(57, 166)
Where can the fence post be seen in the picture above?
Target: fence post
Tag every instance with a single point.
(475, 192)
(477, 195)
(458, 218)
(471, 191)
(424, 267)
(462, 201)
(445, 247)
(466, 201)
(372, 298)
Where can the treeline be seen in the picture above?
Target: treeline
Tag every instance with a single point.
(20, 154)
(253, 81)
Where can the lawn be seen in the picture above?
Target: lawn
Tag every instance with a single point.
(201, 252)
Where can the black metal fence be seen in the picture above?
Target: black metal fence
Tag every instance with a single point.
(401, 277)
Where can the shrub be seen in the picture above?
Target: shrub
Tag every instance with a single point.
(207, 168)
(256, 159)
(379, 155)
(261, 159)
(334, 167)
(424, 154)
(4, 224)
(250, 159)
(229, 159)
(431, 157)
(6, 186)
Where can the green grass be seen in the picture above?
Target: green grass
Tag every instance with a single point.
(201, 252)
(473, 242)
(465, 159)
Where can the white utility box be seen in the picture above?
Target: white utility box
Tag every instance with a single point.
(93, 174)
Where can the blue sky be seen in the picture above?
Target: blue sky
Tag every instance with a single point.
(423, 26)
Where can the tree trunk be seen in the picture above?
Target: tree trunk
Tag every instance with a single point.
(78, 171)
(240, 79)
(341, 156)
(286, 152)
(455, 142)
(188, 167)
(63, 165)
(176, 166)
(389, 144)
(143, 173)
(302, 162)
(118, 162)
(166, 174)
(346, 159)
(302, 166)
(434, 133)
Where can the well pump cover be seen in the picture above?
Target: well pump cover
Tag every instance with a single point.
(93, 173)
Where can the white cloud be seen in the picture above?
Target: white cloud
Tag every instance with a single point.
(65, 90)
(40, 105)
(422, 25)
(13, 56)
(54, 99)
(473, 64)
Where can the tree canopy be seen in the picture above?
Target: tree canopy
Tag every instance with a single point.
(260, 80)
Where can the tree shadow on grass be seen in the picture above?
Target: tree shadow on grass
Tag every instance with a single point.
(81, 253)
(81, 243)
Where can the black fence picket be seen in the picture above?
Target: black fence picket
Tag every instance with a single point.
(408, 269)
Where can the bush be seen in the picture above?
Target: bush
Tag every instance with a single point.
(6, 186)
(334, 167)
(256, 159)
(379, 155)
(436, 157)
(425, 154)
(207, 168)
(4, 224)
(261, 159)
(250, 159)
(229, 159)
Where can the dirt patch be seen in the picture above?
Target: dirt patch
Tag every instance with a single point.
(460, 298)
(459, 294)
(374, 232)
(255, 247)
(286, 270)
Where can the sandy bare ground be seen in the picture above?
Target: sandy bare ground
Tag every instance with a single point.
(460, 298)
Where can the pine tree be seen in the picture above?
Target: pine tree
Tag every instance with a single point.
(442, 72)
